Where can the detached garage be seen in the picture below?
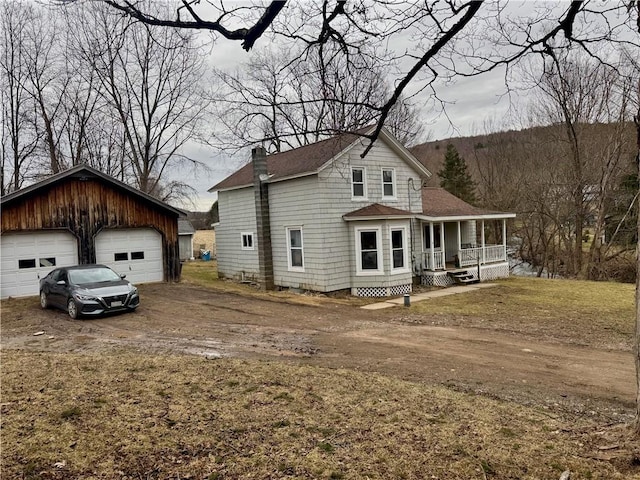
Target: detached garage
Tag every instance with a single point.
(85, 216)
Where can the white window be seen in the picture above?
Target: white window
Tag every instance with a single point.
(388, 183)
(399, 252)
(295, 249)
(358, 183)
(368, 254)
(247, 240)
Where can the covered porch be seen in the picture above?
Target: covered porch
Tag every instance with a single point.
(456, 238)
(451, 245)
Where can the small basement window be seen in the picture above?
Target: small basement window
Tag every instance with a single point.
(119, 257)
(48, 262)
(247, 241)
(27, 263)
(137, 255)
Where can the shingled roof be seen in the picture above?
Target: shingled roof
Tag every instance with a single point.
(377, 211)
(309, 159)
(437, 202)
(301, 160)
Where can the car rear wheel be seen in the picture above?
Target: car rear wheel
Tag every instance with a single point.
(44, 301)
(72, 309)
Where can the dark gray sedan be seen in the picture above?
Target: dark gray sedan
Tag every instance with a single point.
(88, 290)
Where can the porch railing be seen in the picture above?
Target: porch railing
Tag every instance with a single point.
(438, 260)
(466, 257)
(492, 253)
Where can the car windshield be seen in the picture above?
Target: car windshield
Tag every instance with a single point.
(92, 275)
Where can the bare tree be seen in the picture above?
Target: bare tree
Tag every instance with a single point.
(150, 79)
(636, 119)
(285, 101)
(448, 39)
(579, 94)
(20, 136)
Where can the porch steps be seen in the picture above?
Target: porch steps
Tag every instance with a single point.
(462, 277)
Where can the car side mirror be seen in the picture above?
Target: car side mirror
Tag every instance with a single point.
(61, 282)
(123, 276)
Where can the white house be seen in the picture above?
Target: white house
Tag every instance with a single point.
(321, 217)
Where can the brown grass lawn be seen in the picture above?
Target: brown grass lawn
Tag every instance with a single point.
(135, 416)
(599, 314)
(205, 274)
(130, 415)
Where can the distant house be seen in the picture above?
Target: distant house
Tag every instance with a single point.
(186, 233)
(321, 217)
(204, 241)
(82, 216)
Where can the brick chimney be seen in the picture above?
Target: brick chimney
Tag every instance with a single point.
(263, 223)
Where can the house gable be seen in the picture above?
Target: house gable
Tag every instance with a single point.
(314, 158)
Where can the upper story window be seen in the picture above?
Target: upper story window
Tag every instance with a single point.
(388, 183)
(358, 183)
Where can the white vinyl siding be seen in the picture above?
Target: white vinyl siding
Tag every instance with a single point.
(388, 177)
(317, 204)
(237, 215)
(296, 249)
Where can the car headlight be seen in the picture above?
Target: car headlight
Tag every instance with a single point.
(82, 296)
(133, 291)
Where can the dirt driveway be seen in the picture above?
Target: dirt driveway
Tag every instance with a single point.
(188, 319)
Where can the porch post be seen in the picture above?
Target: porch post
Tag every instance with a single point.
(504, 237)
(459, 239)
(482, 238)
(444, 255)
(431, 245)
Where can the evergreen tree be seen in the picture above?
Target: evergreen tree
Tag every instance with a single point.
(455, 178)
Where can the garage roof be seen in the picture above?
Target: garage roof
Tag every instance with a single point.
(85, 172)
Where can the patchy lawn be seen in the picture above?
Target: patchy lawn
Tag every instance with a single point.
(599, 314)
(129, 415)
(205, 274)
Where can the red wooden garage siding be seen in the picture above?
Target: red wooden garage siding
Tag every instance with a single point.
(85, 206)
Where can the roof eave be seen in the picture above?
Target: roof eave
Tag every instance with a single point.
(453, 218)
(271, 180)
(377, 217)
(78, 168)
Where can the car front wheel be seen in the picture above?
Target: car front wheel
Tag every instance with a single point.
(44, 301)
(72, 308)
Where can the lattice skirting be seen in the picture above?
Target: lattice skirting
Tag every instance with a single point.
(491, 272)
(437, 279)
(487, 273)
(382, 291)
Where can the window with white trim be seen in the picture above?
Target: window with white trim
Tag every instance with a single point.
(388, 183)
(399, 257)
(358, 183)
(368, 255)
(247, 240)
(295, 249)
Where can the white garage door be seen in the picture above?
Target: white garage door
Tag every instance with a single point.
(135, 252)
(29, 256)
